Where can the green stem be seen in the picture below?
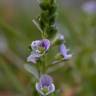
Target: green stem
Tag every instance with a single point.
(45, 64)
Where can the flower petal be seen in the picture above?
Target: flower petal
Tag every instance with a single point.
(64, 52)
(35, 44)
(46, 44)
(38, 88)
(31, 58)
(45, 80)
(51, 89)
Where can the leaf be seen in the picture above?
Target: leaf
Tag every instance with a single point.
(32, 69)
(37, 25)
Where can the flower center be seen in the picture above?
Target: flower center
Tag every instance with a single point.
(45, 90)
(41, 49)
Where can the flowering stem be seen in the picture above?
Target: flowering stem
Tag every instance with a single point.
(47, 18)
(46, 25)
(42, 65)
(40, 68)
(45, 64)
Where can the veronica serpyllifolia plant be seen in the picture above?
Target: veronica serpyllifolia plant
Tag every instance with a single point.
(45, 23)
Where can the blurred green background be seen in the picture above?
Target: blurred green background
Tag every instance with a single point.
(77, 77)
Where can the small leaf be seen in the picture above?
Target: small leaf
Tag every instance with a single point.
(37, 25)
(32, 69)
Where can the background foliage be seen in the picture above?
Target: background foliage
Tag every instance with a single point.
(76, 77)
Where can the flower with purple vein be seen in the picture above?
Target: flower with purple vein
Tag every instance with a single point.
(64, 52)
(39, 48)
(45, 85)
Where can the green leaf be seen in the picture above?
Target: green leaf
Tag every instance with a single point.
(37, 25)
(32, 69)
